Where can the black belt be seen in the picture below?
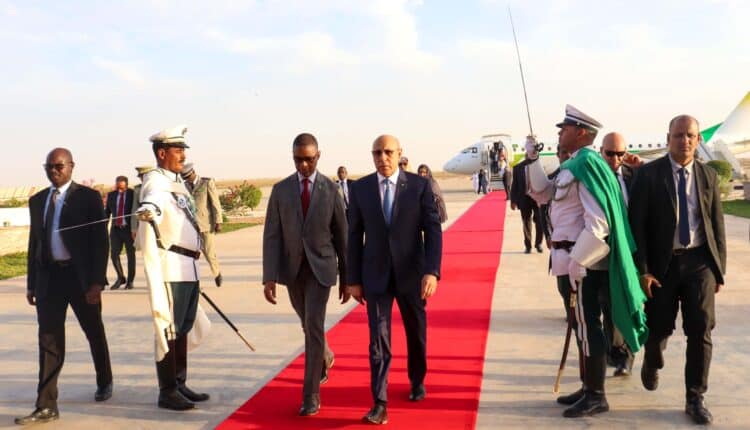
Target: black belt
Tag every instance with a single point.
(184, 251)
(683, 251)
(563, 244)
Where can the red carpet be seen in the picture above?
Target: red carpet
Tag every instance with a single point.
(458, 319)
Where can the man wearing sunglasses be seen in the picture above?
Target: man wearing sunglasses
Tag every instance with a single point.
(395, 246)
(304, 248)
(66, 267)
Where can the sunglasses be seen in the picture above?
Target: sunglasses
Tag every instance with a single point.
(307, 160)
(58, 166)
(380, 152)
(613, 153)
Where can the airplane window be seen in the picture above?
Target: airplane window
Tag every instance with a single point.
(549, 148)
(640, 145)
(473, 150)
(649, 145)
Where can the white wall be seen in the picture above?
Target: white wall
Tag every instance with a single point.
(13, 217)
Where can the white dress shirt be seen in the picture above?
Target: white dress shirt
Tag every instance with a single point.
(697, 234)
(57, 247)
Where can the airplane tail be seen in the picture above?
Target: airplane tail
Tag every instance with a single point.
(724, 140)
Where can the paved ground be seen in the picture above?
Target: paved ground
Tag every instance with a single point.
(522, 353)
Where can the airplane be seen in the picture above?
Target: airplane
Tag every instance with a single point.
(723, 141)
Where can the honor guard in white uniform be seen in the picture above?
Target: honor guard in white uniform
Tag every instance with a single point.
(586, 208)
(170, 243)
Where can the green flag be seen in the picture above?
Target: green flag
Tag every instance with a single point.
(624, 289)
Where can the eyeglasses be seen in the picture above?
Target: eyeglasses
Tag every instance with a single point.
(379, 152)
(58, 166)
(307, 160)
(613, 153)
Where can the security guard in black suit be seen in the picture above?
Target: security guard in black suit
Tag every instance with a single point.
(66, 268)
(678, 225)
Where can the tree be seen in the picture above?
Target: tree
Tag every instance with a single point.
(239, 196)
(724, 171)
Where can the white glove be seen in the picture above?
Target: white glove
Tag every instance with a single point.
(576, 273)
(145, 213)
(531, 145)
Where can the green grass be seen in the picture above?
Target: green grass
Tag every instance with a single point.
(229, 227)
(12, 265)
(739, 208)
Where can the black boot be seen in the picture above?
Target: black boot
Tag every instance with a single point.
(571, 398)
(593, 401)
(169, 396)
(181, 372)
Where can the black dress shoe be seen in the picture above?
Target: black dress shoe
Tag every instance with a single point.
(103, 393)
(219, 280)
(539, 248)
(324, 376)
(698, 411)
(417, 393)
(377, 415)
(649, 377)
(591, 403)
(117, 284)
(40, 415)
(172, 399)
(622, 369)
(571, 398)
(129, 286)
(192, 395)
(528, 251)
(310, 406)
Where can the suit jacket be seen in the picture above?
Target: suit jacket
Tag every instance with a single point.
(207, 204)
(320, 237)
(88, 246)
(409, 248)
(653, 216)
(349, 183)
(628, 174)
(111, 207)
(518, 187)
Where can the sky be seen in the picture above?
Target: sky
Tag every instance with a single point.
(247, 76)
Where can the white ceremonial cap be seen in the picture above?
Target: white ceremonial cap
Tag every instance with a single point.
(171, 137)
(574, 116)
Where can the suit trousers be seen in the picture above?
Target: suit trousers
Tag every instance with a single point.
(309, 299)
(379, 311)
(64, 289)
(690, 283)
(119, 237)
(592, 304)
(529, 213)
(207, 238)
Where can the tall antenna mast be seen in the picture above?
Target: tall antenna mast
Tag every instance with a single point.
(520, 67)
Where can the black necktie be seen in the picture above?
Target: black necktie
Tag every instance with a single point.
(683, 214)
(48, 219)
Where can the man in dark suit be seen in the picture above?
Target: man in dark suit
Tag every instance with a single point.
(528, 207)
(304, 236)
(400, 259)
(66, 267)
(120, 206)
(344, 184)
(678, 225)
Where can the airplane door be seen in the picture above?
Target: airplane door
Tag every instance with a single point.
(485, 157)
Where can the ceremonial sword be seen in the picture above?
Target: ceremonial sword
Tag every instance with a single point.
(94, 222)
(205, 296)
(569, 330)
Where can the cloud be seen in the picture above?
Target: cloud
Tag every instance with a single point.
(127, 72)
(306, 50)
(8, 9)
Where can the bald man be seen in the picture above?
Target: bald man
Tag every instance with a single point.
(400, 260)
(614, 152)
(66, 267)
(678, 226)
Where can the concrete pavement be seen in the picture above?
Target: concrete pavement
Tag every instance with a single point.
(523, 350)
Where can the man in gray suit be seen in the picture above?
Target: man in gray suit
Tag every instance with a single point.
(207, 214)
(304, 234)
